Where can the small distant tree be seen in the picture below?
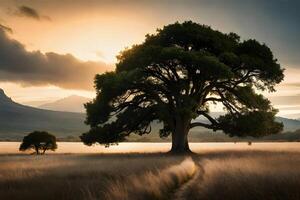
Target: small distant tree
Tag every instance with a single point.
(40, 141)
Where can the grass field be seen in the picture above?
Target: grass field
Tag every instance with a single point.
(219, 174)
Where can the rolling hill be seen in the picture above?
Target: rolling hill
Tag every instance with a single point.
(16, 120)
(72, 103)
(289, 124)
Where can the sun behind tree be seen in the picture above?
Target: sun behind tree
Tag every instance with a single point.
(173, 77)
(40, 141)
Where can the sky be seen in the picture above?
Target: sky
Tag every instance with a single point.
(53, 49)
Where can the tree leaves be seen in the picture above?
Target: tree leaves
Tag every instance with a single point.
(254, 123)
(39, 141)
(175, 74)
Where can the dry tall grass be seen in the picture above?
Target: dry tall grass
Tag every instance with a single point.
(74, 176)
(152, 185)
(210, 175)
(250, 175)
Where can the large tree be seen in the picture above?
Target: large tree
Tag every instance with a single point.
(174, 76)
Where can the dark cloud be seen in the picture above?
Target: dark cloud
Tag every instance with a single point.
(276, 22)
(35, 68)
(31, 13)
(6, 28)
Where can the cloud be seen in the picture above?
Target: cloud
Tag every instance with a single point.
(100, 54)
(26, 11)
(295, 84)
(34, 68)
(286, 100)
(6, 28)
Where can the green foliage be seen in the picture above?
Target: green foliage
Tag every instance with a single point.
(255, 124)
(175, 75)
(40, 141)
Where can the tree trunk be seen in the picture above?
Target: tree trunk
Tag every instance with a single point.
(180, 138)
(37, 150)
(44, 150)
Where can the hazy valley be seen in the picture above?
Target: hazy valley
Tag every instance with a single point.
(17, 120)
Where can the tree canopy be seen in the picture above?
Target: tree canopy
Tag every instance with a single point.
(40, 141)
(174, 76)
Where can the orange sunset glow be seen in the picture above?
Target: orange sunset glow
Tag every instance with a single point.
(98, 30)
(149, 99)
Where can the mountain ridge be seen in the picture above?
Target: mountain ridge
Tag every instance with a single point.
(17, 119)
(73, 103)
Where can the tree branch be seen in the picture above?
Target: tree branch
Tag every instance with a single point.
(195, 124)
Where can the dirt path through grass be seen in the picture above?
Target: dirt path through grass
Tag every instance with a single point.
(183, 191)
(154, 185)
